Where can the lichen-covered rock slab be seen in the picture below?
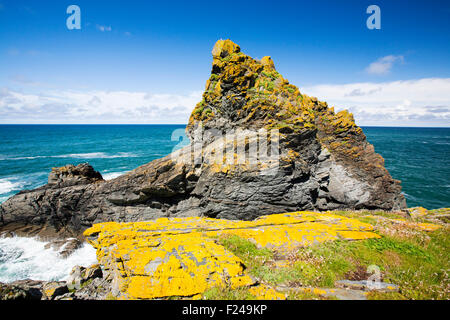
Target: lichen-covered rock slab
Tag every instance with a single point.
(181, 257)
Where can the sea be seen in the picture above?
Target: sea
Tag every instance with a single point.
(419, 157)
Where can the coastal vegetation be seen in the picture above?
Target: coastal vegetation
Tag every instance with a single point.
(298, 255)
(409, 254)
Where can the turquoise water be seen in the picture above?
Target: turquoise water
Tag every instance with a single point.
(419, 157)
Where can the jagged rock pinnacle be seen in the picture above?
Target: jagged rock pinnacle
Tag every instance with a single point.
(223, 48)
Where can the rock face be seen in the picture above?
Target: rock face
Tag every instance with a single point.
(258, 146)
(71, 175)
(83, 284)
(32, 290)
(51, 210)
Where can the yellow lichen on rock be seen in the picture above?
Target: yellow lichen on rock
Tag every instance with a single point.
(314, 291)
(263, 292)
(417, 211)
(181, 256)
(428, 226)
(150, 265)
(222, 48)
(418, 225)
(49, 292)
(268, 63)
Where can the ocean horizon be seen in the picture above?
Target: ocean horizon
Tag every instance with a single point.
(29, 151)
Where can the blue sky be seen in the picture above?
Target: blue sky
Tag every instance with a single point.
(148, 61)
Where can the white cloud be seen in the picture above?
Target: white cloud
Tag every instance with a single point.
(95, 107)
(423, 102)
(104, 28)
(383, 65)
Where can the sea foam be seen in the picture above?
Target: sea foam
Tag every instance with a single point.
(6, 185)
(112, 175)
(27, 258)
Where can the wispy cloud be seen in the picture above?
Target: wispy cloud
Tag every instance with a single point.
(104, 28)
(95, 107)
(413, 102)
(384, 64)
(422, 102)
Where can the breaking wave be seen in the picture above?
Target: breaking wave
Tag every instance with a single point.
(112, 175)
(7, 185)
(27, 258)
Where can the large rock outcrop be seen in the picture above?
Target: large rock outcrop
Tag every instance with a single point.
(182, 257)
(317, 160)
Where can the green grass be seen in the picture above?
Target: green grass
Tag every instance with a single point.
(403, 247)
(244, 249)
(291, 90)
(199, 110)
(272, 75)
(385, 296)
(418, 263)
(214, 77)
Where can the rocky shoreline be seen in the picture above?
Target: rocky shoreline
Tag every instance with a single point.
(185, 258)
(266, 163)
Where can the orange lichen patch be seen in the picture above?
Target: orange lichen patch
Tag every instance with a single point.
(223, 48)
(417, 211)
(184, 264)
(428, 226)
(315, 291)
(180, 256)
(268, 62)
(287, 231)
(344, 120)
(263, 292)
(356, 235)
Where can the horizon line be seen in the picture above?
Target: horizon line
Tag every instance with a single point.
(182, 124)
